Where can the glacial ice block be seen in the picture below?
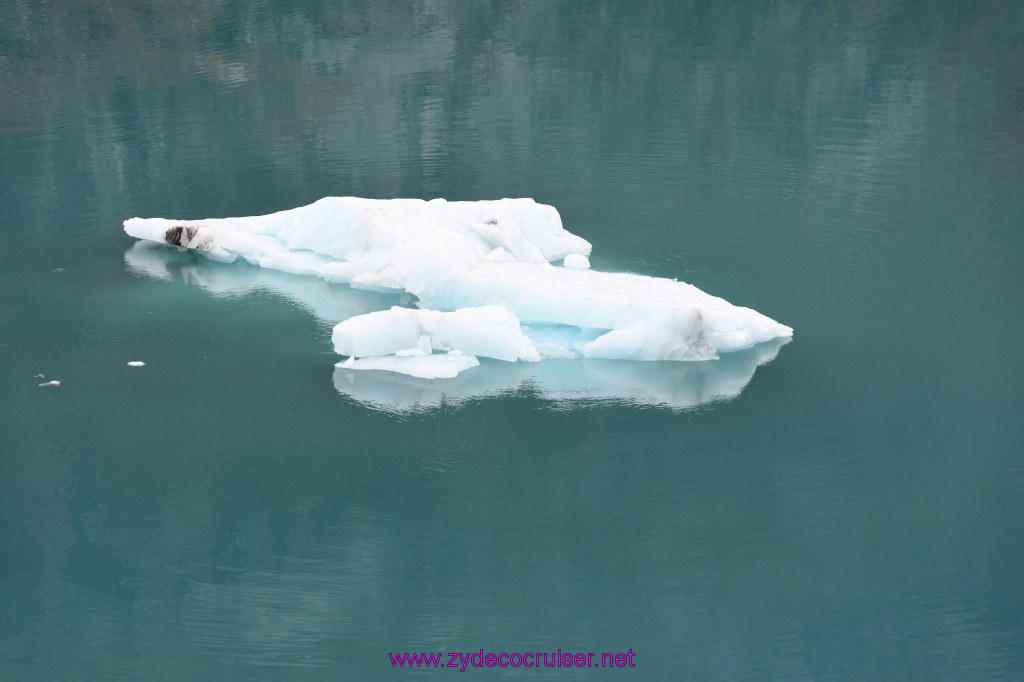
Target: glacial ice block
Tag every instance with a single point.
(488, 331)
(576, 261)
(386, 244)
(483, 255)
(425, 366)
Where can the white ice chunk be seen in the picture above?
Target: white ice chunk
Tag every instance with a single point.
(136, 363)
(457, 255)
(673, 310)
(379, 244)
(680, 337)
(489, 331)
(576, 261)
(445, 366)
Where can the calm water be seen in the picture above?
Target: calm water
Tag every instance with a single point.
(854, 170)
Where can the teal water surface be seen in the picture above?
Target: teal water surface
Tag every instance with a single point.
(231, 511)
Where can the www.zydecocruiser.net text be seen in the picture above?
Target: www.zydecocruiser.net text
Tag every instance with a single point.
(461, 661)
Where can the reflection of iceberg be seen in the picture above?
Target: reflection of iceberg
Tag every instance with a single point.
(331, 303)
(678, 385)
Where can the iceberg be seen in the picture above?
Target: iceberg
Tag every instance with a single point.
(484, 276)
(490, 331)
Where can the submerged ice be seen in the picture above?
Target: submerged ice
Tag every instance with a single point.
(485, 279)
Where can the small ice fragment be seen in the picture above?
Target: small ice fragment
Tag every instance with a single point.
(576, 261)
(490, 331)
(53, 383)
(40, 376)
(136, 363)
(433, 366)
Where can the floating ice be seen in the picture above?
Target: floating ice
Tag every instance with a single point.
(136, 363)
(392, 245)
(577, 261)
(483, 275)
(48, 384)
(425, 366)
(490, 331)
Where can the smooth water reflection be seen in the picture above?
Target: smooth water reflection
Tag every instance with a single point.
(567, 383)
(330, 303)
